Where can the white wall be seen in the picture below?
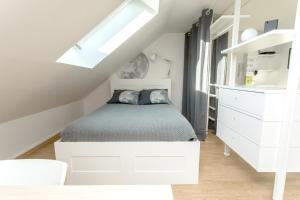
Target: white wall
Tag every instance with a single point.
(20, 135)
(96, 98)
(169, 46)
(272, 70)
(278, 64)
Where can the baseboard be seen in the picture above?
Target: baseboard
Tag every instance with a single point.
(39, 145)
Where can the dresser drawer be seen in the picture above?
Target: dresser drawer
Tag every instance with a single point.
(297, 112)
(256, 130)
(294, 161)
(251, 102)
(295, 137)
(265, 106)
(260, 158)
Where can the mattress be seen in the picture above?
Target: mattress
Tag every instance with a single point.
(122, 122)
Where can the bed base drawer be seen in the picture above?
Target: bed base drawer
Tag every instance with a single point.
(103, 163)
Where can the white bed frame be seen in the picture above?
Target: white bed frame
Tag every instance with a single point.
(131, 162)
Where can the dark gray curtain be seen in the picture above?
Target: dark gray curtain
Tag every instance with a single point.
(195, 86)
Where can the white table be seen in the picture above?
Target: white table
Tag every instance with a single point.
(103, 192)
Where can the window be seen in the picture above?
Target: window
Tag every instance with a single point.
(113, 31)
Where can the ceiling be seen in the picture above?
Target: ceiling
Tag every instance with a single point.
(34, 33)
(184, 13)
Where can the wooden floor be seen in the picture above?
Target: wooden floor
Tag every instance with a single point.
(221, 178)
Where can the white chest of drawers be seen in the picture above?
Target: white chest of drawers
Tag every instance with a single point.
(249, 122)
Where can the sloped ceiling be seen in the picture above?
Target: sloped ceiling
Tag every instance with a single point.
(34, 33)
(184, 13)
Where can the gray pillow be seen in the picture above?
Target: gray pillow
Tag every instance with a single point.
(154, 96)
(124, 97)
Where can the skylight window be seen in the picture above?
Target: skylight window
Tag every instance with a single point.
(126, 20)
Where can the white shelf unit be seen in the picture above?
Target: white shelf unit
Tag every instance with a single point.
(211, 111)
(264, 41)
(252, 127)
(223, 24)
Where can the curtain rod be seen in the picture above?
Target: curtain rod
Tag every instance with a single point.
(197, 23)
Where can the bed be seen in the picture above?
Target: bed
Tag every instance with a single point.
(131, 144)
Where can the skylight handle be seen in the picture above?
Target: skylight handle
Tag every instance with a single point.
(78, 46)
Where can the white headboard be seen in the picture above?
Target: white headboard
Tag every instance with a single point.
(140, 84)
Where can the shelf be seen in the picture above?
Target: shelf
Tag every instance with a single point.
(269, 89)
(264, 41)
(211, 118)
(223, 24)
(212, 108)
(267, 55)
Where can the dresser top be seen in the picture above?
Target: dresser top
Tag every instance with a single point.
(259, 89)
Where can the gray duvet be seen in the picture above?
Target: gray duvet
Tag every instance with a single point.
(121, 122)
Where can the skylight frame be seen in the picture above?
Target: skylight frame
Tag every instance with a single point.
(87, 53)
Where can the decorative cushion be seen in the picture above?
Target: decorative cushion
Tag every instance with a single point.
(124, 97)
(154, 96)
